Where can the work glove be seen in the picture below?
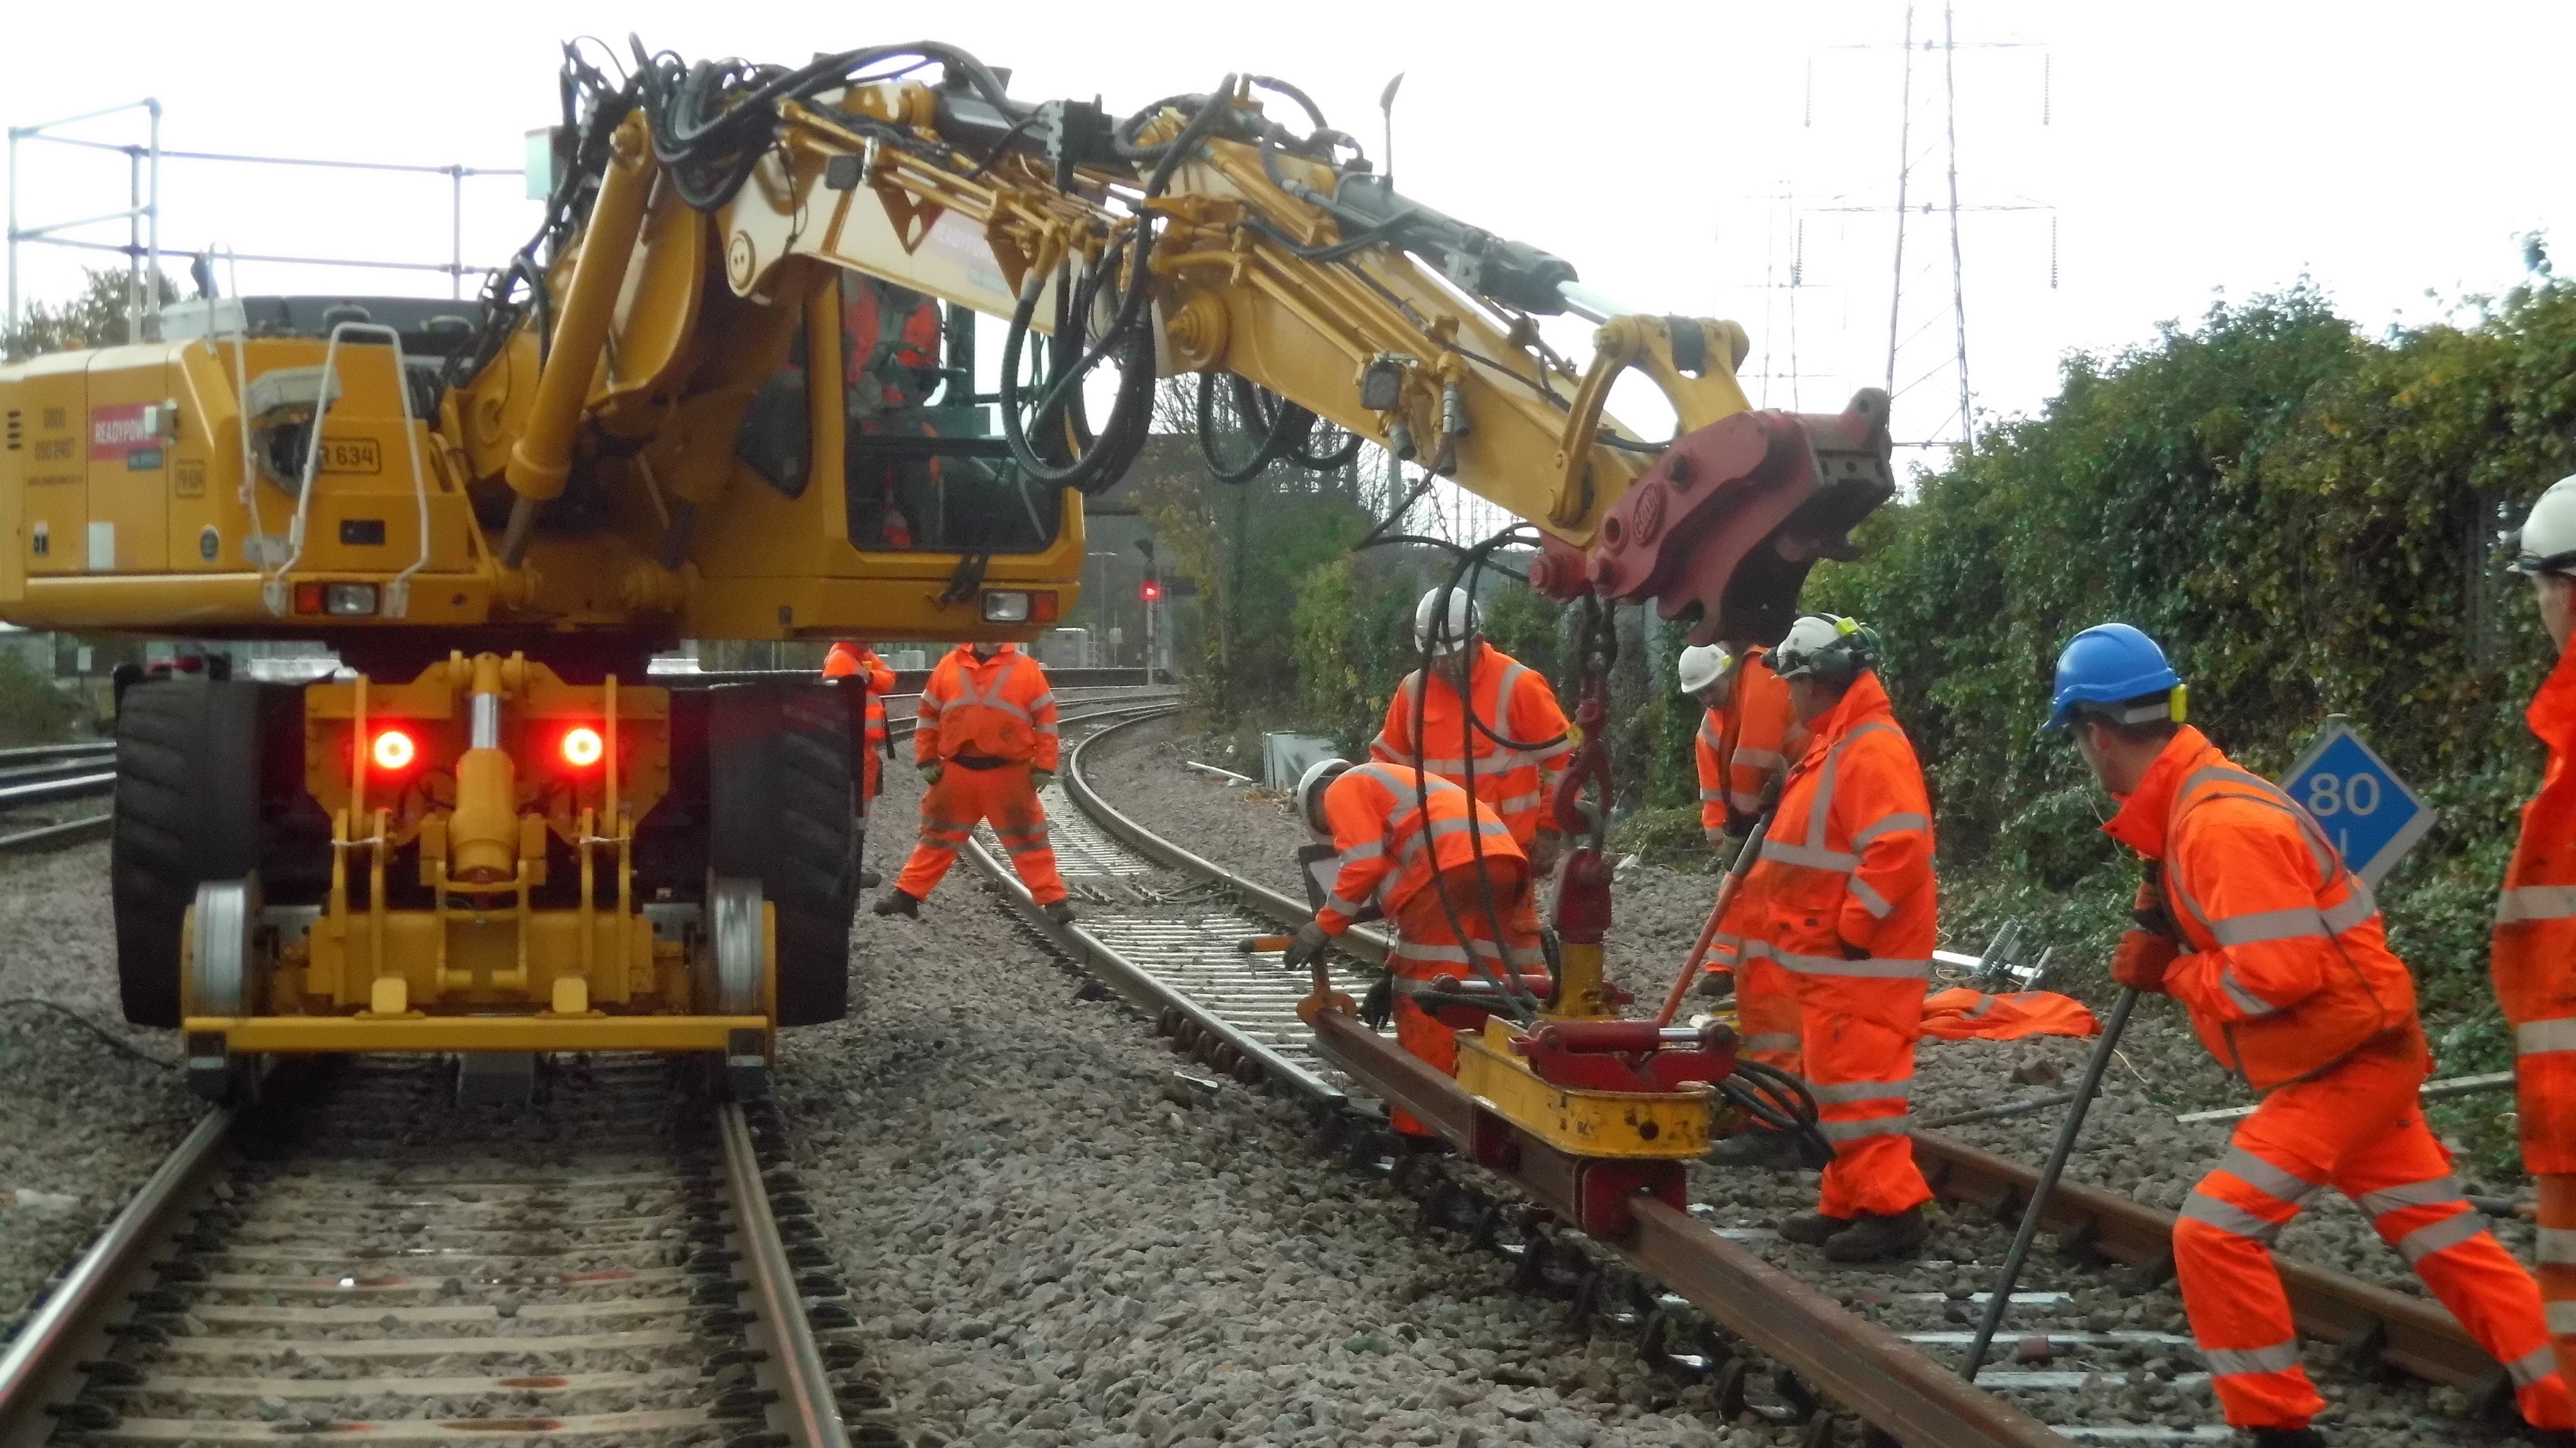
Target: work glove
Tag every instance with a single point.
(2141, 960)
(1041, 778)
(1379, 1007)
(931, 770)
(2151, 914)
(1306, 946)
(1546, 848)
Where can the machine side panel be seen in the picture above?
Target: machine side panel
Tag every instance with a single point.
(54, 505)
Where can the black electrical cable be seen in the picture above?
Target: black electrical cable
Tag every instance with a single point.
(93, 1027)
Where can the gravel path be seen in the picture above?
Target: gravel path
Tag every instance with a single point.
(81, 1123)
(2131, 1144)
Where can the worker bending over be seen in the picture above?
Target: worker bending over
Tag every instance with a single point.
(1746, 738)
(1515, 743)
(1845, 878)
(1440, 866)
(2534, 955)
(985, 739)
(2249, 919)
(858, 659)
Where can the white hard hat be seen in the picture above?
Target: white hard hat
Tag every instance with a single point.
(1702, 665)
(1311, 785)
(1827, 648)
(1456, 632)
(2546, 543)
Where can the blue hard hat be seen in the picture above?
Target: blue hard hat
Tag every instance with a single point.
(2106, 664)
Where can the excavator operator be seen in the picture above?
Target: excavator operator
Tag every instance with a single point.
(1515, 742)
(986, 744)
(2249, 918)
(1845, 878)
(1405, 843)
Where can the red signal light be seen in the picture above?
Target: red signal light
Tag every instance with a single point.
(583, 747)
(394, 750)
(1151, 591)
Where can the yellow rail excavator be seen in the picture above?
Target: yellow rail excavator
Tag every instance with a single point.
(728, 391)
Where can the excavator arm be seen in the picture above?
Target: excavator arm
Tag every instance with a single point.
(1198, 235)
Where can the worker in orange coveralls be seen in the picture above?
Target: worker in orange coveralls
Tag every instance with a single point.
(985, 739)
(1378, 818)
(1747, 735)
(2249, 918)
(1846, 882)
(1510, 699)
(856, 658)
(2534, 954)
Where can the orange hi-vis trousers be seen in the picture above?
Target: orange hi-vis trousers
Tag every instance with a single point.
(2557, 1253)
(1766, 1009)
(964, 798)
(1426, 948)
(2358, 1129)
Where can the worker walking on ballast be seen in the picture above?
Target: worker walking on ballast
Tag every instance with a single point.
(1747, 735)
(985, 739)
(2250, 919)
(1845, 878)
(1516, 743)
(858, 659)
(1472, 878)
(2534, 953)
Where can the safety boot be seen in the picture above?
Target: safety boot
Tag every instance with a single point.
(1813, 1229)
(1875, 1238)
(1061, 912)
(870, 879)
(1717, 985)
(1758, 1148)
(896, 902)
(2288, 1438)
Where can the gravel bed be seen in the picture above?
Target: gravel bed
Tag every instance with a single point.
(82, 1123)
(1049, 1249)
(2131, 1143)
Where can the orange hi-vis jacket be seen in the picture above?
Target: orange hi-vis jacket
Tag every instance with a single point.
(845, 660)
(2287, 969)
(1512, 700)
(2534, 952)
(1848, 861)
(997, 708)
(1391, 846)
(1745, 746)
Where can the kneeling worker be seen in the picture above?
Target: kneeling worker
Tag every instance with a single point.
(1375, 817)
(1845, 878)
(985, 739)
(2249, 918)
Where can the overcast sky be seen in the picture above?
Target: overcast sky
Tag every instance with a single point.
(2183, 150)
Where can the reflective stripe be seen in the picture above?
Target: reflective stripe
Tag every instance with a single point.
(1897, 1090)
(2356, 910)
(1870, 900)
(1032, 847)
(1874, 1126)
(2562, 1318)
(2536, 902)
(1771, 1041)
(1748, 803)
(1557, 750)
(1485, 824)
(1758, 950)
(2265, 1177)
(2228, 1362)
(2439, 1191)
(2533, 1366)
(1889, 825)
(1762, 759)
(1712, 796)
(2449, 1232)
(2555, 1246)
(1347, 907)
(1364, 850)
(1516, 804)
(1984, 1004)
(2228, 1217)
(2534, 1038)
(1813, 859)
(2245, 1000)
(1836, 965)
(2261, 925)
(1042, 701)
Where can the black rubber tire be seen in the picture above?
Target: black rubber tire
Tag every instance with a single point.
(187, 811)
(783, 810)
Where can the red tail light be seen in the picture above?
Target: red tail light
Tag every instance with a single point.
(394, 750)
(583, 747)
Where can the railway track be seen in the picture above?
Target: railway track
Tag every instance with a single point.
(1778, 1338)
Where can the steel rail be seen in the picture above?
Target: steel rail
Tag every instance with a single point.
(40, 1367)
(805, 1395)
(1863, 1366)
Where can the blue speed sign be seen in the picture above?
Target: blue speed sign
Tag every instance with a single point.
(2369, 813)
